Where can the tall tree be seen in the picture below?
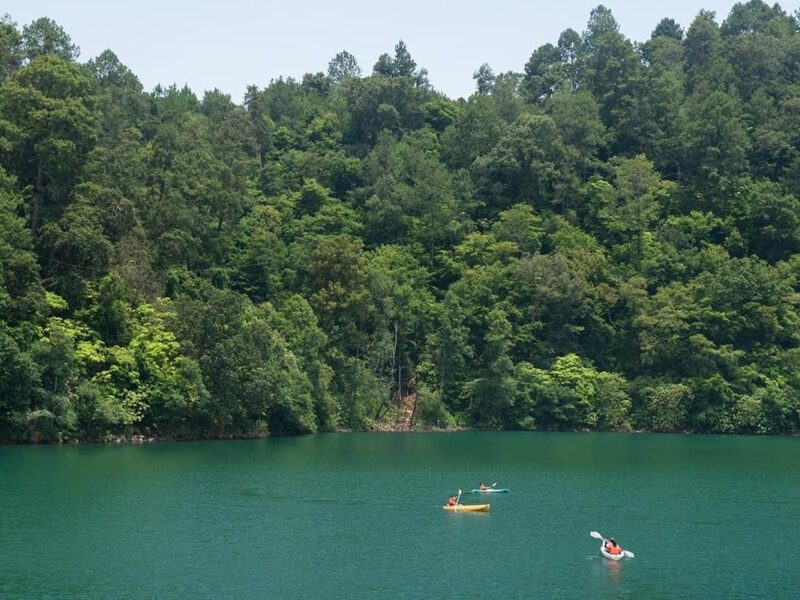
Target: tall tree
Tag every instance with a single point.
(45, 36)
(343, 66)
(10, 47)
(401, 65)
(49, 103)
(484, 79)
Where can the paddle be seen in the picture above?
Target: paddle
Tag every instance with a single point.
(599, 536)
(458, 500)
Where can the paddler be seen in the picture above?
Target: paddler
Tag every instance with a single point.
(612, 547)
(483, 487)
(451, 501)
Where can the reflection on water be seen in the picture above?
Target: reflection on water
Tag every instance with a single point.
(614, 568)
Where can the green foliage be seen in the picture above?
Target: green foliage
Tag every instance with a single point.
(607, 240)
(431, 411)
(519, 224)
(343, 66)
(484, 80)
(526, 165)
(45, 36)
(10, 48)
(401, 65)
(379, 103)
(664, 406)
(21, 293)
(49, 109)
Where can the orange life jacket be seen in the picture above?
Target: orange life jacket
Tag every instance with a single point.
(613, 549)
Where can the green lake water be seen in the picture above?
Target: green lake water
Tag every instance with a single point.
(359, 516)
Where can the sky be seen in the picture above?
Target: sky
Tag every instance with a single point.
(230, 45)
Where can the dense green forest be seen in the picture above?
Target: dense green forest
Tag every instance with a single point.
(609, 239)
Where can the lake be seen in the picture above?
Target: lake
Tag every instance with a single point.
(359, 516)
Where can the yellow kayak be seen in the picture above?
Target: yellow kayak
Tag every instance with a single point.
(467, 507)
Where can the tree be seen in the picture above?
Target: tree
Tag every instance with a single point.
(553, 296)
(577, 117)
(521, 225)
(573, 53)
(492, 394)
(401, 65)
(716, 141)
(338, 279)
(49, 104)
(404, 65)
(375, 104)
(411, 197)
(601, 22)
(255, 381)
(343, 66)
(640, 197)
(665, 120)
(76, 251)
(767, 218)
(20, 386)
(754, 16)
(544, 73)
(613, 72)
(399, 286)
(474, 132)
(121, 103)
(21, 292)
(384, 66)
(484, 79)
(607, 240)
(668, 28)
(44, 36)
(526, 165)
(261, 122)
(296, 322)
(706, 66)
(665, 406)
(10, 48)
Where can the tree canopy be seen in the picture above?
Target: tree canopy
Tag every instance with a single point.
(607, 239)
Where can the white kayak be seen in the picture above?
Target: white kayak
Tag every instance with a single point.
(491, 491)
(622, 553)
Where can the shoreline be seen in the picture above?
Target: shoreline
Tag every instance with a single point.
(140, 439)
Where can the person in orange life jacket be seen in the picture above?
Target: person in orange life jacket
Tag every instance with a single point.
(612, 547)
(451, 501)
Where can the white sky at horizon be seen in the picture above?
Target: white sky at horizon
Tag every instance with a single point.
(230, 45)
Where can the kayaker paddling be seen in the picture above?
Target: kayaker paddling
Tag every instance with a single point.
(612, 547)
(454, 505)
(488, 489)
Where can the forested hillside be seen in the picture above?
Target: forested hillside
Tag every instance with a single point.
(607, 240)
